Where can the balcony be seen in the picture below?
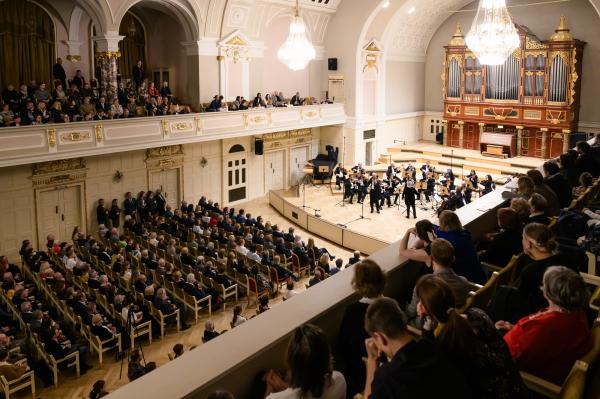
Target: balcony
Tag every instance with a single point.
(30, 144)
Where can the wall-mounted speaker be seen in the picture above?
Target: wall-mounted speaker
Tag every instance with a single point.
(258, 146)
(332, 64)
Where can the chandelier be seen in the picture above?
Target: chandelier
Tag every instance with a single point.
(493, 36)
(297, 51)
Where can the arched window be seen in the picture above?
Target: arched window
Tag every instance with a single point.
(133, 45)
(236, 148)
(27, 41)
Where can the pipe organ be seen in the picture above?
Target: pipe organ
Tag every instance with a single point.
(533, 96)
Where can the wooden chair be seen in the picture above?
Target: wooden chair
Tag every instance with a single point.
(575, 384)
(296, 266)
(25, 381)
(196, 305)
(253, 290)
(506, 275)
(100, 346)
(140, 330)
(71, 360)
(483, 296)
(161, 318)
(275, 279)
(226, 293)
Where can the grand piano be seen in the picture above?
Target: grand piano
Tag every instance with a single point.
(501, 145)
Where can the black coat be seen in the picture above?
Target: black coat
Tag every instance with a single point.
(410, 195)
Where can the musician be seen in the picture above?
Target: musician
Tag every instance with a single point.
(350, 188)
(410, 196)
(430, 187)
(488, 185)
(387, 190)
(474, 179)
(391, 171)
(362, 187)
(374, 192)
(358, 169)
(340, 175)
(425, 170)
(468, 193)
(459, 197)
(397, 189)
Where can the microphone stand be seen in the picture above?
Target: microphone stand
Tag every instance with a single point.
(361, 217)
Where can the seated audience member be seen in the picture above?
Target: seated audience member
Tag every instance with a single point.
(178, 350)
(539, 206)
(586, 180)
(557, 183)
(98, 390)
(545, 191)
(513, 303)
(507, 242)
(472, 343)
(337, 266)
(263, 304)
(421, 249)
(209, 331)
(354, 259)
(414, 369)
(8, 370)
(368, 282)
(103, 332)
(296, 100)
(135, 369)
(587, 161)
(442, 258)
(568, 169)
(311, 373)
(525, 187)
(289, 290)
(317, 278)
(548, 343)
(237, 316)
(466, 262)
(522, 208)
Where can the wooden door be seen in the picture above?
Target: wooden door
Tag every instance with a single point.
(166, 180)
(298, 158)
(471, 136)
(48, 220)
(70, 200)
(454, 137)
(274, 171)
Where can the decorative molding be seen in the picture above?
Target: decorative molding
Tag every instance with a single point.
(51, 137)
(166, 151)
(75, 136)
(99, 134)
(73, 58)
(59, 172)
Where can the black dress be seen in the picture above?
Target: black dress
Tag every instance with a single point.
(350, 348)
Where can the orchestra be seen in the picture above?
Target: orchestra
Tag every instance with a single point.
(442, 189)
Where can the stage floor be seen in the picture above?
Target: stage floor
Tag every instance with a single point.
(389, 225)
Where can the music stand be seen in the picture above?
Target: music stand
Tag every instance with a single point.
(361, 217)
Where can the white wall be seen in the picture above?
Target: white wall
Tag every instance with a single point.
(405, 87)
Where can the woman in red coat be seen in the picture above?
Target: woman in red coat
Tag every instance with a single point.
(547, 344)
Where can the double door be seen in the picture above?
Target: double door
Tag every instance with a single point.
(168, 181)
(298, 158)
(274, 170)
(59, 211)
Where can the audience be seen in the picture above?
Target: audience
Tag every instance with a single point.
(506, 243)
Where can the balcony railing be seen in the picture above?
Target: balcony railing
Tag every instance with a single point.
(29, 144)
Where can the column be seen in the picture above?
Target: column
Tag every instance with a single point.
(107, 52)
(481, 129)
(445, 132)
(519, 139)
(566, 139)
(544, 131)
(461, 134)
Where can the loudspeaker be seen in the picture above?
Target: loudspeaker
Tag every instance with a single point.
(258, 146)
(332, 64)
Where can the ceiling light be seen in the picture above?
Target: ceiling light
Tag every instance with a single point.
(493, 36)
(385, 4)
(297, 51)
(412, 10)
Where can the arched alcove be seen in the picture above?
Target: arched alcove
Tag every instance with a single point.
(133, 45)
(27, 43)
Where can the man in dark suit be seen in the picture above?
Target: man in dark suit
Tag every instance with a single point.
(79, 80)
(138, 73)
(59, 347)
(289, 236)
(374, 192)
(162, 303)
(130, 204)
(410, 195)
(59, 73)
(296, 100)
(79, 304)
(587, 161)
(302, 255)
(161, 202)
(101, 212)
(281, 249)
(106, 334)
(539, 207)
(186, 258)
(558, 183)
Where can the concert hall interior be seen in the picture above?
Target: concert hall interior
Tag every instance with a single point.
(334, 199)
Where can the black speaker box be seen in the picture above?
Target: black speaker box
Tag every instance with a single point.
(258, 146)
(332, 64)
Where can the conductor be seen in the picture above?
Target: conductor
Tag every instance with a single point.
(410, 195)
(374, 192)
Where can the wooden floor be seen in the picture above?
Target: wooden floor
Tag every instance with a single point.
(72, 387)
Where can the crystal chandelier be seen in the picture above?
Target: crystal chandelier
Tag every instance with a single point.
(493, 36)
(297, 51)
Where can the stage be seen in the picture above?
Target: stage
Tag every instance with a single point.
(387, 226)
